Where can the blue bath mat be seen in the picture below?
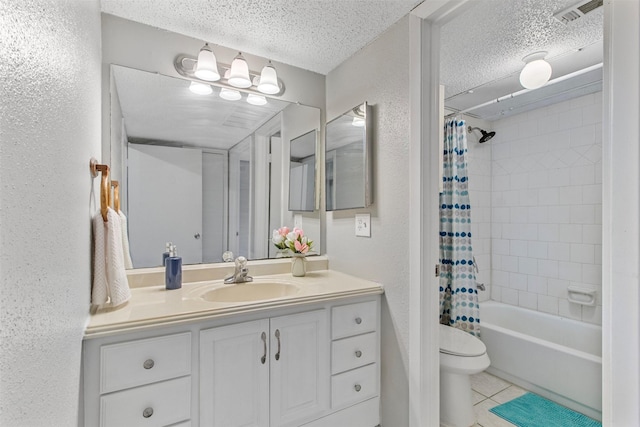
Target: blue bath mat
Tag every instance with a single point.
(531, 410)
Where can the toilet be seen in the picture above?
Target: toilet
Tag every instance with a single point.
(461, 355)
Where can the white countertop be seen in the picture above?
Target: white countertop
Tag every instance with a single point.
(155, 306)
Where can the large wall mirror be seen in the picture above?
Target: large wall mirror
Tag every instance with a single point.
(302, 172)
(348, 168)
(206, 173)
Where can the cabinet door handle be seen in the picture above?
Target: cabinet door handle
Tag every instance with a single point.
(358, 320)
(263, 359)
(148, 364)
(147, 412)
(278, 338)
(357, 387)
(358, 353)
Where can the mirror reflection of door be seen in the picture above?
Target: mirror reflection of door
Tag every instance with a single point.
(164, 202)
(302, 172)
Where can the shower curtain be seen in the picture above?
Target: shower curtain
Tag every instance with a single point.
(458, 292)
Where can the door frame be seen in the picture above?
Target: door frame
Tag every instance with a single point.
(621, 211)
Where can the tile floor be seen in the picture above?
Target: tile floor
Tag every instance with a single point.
(490, 391)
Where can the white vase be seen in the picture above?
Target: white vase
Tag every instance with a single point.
(298, 265)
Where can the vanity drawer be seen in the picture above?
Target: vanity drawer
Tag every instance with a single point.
(158, 404)
(354, 386)
(134, 363)
(353, 352)
(354, 319)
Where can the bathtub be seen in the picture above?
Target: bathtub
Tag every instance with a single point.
(552, 356)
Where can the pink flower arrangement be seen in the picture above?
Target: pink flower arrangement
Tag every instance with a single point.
(291, 240)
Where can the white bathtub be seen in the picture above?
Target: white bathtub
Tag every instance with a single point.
(555, 357)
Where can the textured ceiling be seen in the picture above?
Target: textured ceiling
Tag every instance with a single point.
(316, 35)
(482, 48)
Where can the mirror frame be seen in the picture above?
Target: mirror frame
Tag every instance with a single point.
(367, 146)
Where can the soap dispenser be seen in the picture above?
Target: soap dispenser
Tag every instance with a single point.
(165, 254)
(173, 269)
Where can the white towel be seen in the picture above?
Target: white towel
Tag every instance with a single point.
(128, 264)
(109, 277)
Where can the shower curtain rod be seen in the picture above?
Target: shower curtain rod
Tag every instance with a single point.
(523, 91)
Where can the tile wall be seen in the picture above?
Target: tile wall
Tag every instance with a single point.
(546, 207)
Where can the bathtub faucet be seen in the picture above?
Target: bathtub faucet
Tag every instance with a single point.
(480, 286)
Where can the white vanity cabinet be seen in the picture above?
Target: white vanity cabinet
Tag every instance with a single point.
(313, 365)
(272, 372)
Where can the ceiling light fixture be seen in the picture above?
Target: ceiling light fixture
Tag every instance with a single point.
(237, 75)
(207, 66)
(537, 72)
(200, 88)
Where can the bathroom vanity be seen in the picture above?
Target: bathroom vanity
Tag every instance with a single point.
(309, 357)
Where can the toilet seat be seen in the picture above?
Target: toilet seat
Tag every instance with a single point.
(456, 342)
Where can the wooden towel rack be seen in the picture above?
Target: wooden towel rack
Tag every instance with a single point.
(105, 187)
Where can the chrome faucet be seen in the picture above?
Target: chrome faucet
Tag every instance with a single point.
(240, 274)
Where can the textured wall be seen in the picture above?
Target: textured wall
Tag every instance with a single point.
(379, 74)
(547, 207)
(49, 128)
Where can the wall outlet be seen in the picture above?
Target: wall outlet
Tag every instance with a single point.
(297, 220)
(363, 225)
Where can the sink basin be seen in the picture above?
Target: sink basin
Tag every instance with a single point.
(252, 291)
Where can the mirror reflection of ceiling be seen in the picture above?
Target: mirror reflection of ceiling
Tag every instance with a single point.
(313, 35)
(162, 109)
(483, 47)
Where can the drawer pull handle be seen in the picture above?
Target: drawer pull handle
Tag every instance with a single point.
(358, 320)
(148, 364)
(263, 359)
(358, 353)
(278, 337)
(147, 412)
(357, 387)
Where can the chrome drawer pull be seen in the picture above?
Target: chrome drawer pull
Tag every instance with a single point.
(357, 387)
(358, 320)
(263, 359)
(358, 353)
(278, 337)
(148, 364)
(147, 412)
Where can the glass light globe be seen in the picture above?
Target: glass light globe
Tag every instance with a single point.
(207, 66)
(268, 82)
(254, 99)
(536, 72)
(200, 88)
(230, 94)
(239, 73)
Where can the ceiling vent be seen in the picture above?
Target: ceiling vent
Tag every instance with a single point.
(577, 11)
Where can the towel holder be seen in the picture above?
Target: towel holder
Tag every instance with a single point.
(116, 195)
(104, 185)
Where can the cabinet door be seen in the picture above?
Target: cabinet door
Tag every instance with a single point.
(299, 368)
(234, 375)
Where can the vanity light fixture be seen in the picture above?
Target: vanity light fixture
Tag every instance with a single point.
(200, 88)
(239, 73)
(207, 66)
(358, 116)
(205, 69)
(230, 94)
(536, 72)
(254, 99)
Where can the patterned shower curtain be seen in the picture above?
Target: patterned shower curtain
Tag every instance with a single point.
(458, 293)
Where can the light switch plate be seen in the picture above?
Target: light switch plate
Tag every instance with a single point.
(363, 225)
(297, 220)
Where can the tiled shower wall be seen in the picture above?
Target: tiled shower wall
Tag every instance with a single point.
(546, 207)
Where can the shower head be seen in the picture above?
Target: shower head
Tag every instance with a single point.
(485, 135)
